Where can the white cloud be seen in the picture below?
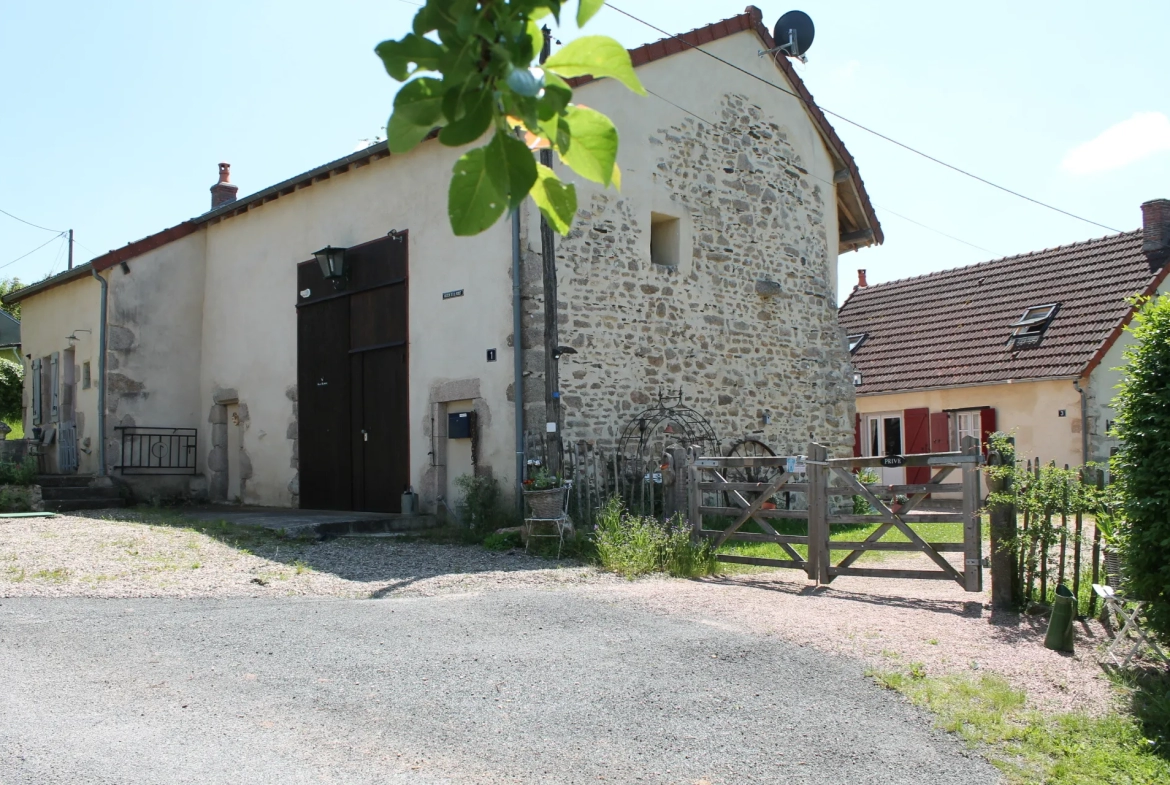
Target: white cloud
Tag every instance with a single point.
(1141, 136)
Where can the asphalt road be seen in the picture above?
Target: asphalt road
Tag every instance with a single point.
(519, 686)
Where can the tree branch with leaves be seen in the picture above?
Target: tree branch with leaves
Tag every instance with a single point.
(469, 67)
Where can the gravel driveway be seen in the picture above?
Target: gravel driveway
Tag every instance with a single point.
(518, 686)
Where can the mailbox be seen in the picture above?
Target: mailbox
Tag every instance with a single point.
(459, 425)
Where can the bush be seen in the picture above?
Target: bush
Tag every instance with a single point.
(632, 545)
(11, 390)
(482, 507)
(503, 541)
(23, 473)
(1142, 464)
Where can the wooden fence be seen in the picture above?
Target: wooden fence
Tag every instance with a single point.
(823, 480)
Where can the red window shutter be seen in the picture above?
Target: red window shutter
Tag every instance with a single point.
(940, 432)
(987, 427)
(917, 429)
(857, 436)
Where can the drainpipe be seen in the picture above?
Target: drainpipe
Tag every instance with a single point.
(518, 361)
(101, 423)
(1084, 422)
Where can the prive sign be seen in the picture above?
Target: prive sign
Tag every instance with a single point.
(893, 460)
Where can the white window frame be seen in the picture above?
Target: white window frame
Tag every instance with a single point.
(855, 341)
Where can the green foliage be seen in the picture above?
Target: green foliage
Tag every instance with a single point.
(8, 285)
(503, 541)
(1030, 746)
(1142, 465)
(13, 500)
(861, 505)
(11, 390)
(23, 473)
(542, 480)
(480, 59)
(483, 508)
(633, 545)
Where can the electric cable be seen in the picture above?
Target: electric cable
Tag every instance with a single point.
(30, 223)
(30, 253)
(862, 127)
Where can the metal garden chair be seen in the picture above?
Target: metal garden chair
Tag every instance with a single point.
(1128, 614)
(559, 526)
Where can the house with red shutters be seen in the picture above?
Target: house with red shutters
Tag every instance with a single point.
(1030, 344)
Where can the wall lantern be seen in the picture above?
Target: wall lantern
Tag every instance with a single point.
(332, 261)
(857, 379)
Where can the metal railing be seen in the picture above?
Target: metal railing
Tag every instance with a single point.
(158, 450)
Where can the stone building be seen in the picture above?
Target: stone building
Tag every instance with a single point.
(215, 359)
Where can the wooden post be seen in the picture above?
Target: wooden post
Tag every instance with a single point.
(1096, 553)
(818, 525)
(972, 531)
(1005, 561)
(1078, 525)
(1063, 530)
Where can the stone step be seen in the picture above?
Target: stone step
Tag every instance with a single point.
(67, 505)
(64, 480)
(68, 493)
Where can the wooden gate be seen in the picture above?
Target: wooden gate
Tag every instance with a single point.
(819, 480)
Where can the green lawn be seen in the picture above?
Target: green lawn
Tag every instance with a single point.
(17, 427)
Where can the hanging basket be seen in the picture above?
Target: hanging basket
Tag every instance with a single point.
(548, 503)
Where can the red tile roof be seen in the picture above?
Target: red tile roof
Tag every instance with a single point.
(951, 328)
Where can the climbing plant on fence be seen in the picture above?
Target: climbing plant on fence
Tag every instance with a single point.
(1142, 464)
(470, 66)
(1051, 503)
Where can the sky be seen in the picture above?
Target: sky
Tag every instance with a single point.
(113, 116)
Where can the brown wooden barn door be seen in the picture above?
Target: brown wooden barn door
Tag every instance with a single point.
(365, 341)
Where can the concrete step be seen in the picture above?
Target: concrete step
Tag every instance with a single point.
(69, 493)
(67, 505)
(386, 523)
(64, 480)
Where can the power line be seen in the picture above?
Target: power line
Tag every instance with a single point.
(30, 223)
(827, 182)
(30, 253)
(867, 129)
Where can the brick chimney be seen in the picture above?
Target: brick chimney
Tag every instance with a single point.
(1156, 232)
(861, 282)
(223, 192)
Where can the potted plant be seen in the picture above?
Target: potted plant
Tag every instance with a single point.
(545, 494)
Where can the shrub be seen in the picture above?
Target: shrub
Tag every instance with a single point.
(633, 545)
(861, 505)
(11, 390)
(1142, 464)
(503, 541)
(23, 473)
(482, 507)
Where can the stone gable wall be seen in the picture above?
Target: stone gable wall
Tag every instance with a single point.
(738, 348)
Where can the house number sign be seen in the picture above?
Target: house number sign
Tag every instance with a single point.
(893, 460)
(449, 295)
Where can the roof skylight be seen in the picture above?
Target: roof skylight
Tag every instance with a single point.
(855, 341)
(1031, 326)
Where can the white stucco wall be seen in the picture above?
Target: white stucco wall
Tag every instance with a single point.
(46, 320)
(249, 340)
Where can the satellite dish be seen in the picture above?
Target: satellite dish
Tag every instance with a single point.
(794, 33)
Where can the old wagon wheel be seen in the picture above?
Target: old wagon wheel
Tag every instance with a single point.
(748, 448)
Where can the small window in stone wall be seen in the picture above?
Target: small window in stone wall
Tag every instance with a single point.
(85, 375)
(665, 239)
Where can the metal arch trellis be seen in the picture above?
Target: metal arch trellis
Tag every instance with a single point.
(644, 442)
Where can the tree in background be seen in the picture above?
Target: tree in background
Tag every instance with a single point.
(1142, 464)
(482, 53)
(11, 390)
(10, 285)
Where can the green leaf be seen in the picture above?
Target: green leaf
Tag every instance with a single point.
(594, 144)
(511, 167)
(586, 9)
(398, 56)
(473, 203)
(417, 110)
(556, 200)
(598, 56)
(475, 120)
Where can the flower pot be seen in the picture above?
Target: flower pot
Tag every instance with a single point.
(548, 503)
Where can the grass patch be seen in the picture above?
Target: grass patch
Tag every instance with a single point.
(1032, 747)
(56, 575)
(633, 545)
(15, 574)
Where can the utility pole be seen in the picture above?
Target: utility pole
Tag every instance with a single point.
(70, 249)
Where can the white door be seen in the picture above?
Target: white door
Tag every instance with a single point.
(884, 437)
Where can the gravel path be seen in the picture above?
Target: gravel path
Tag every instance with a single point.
(502, 687)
